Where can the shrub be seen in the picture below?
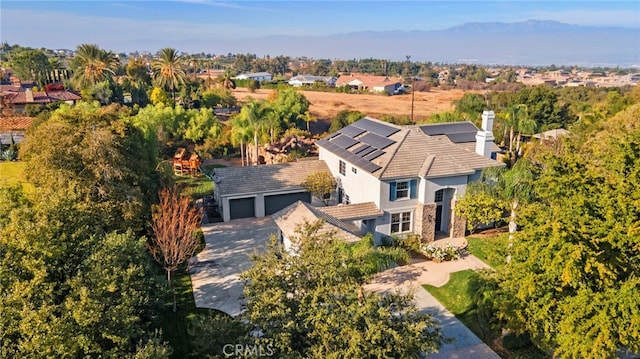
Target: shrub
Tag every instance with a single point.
(516, 341)
(448, 252)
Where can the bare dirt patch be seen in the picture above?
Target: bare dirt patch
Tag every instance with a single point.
(325, 105)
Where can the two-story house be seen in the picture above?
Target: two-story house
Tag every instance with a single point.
(411, 174)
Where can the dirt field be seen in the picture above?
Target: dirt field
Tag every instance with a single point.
(325, 105)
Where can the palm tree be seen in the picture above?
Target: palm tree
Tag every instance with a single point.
(517, 121)
(168, 70)
(227, 82)
(257, 116)
(91, 65)
(240, 135)
(308, 117)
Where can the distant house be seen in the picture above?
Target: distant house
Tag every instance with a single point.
(371, 83)
(14, 127)
(15, 99)
(308, 80)
(258, 76)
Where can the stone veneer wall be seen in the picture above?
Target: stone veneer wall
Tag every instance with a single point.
(458, 224)
(425, 221)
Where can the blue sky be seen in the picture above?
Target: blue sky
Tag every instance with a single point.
(149, 25)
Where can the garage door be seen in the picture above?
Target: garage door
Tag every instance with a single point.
(273, 204)
(242, 207)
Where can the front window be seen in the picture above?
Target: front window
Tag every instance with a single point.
(400, 222)
(402, 190)
(439, 195)
(342, 168)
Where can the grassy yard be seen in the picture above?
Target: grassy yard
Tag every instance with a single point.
(196, 187)
(491, 250)
(174, 325)
(458, 297)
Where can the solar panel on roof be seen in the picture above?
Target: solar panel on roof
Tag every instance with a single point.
(376, 141)
(373, 155)
(358, 148)
(375, 127)
(351, 158)
(462, 137)
(366, 151)
(343, 141)
(446, 128)
(351, 131)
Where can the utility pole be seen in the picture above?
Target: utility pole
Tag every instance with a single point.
(413, 95)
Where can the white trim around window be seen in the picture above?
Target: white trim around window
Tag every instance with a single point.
(401, 222)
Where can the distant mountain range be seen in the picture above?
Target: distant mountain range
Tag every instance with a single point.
(531, 42)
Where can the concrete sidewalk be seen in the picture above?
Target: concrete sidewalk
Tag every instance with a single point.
(411, 277)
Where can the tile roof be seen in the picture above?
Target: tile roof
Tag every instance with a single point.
(292, 217)
(552, 134)
(64, 95)
(15, 123)
(352, 212)
(415, 151)
(23, 97)
(366, 80)
(265, 178)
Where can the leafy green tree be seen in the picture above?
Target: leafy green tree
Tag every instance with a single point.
(312, 304)
(217, 97)
(137, 81)
(573, 279)
(31, 65)
(168, 70)
(89, 153)
(91, 65)
(321, 185)
(479, 208)
(288, 105)
(211, 332)
(471, 106)
(344, 118)
(158, 95)
(203, 124)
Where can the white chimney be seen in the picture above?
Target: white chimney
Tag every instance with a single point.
(484, 137)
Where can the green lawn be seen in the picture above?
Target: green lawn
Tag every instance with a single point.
(13, 173)
(196, 187)
(458, 297)
(174, 325)
(491, 250)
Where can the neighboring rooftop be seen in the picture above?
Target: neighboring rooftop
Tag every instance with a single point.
(8, 123)
(265, 178)
(291, 218)
(552, 134)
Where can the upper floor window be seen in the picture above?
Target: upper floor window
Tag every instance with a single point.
(342, 168)
(354, 170)
(403, 190)
(346, 199)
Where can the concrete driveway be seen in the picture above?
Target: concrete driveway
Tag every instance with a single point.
(215, 271)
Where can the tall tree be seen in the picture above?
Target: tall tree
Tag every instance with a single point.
(91, 65)
(517, 122)
(174, 223)
(31, 65)
(257, 115)
(573, 282)
(240, 136)
(312, 304)
(168, 70)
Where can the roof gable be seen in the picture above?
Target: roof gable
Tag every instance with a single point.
(291, 218)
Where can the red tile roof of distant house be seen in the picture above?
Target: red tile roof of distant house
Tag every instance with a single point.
(15, 123)
(64, 95)
(23, 97)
